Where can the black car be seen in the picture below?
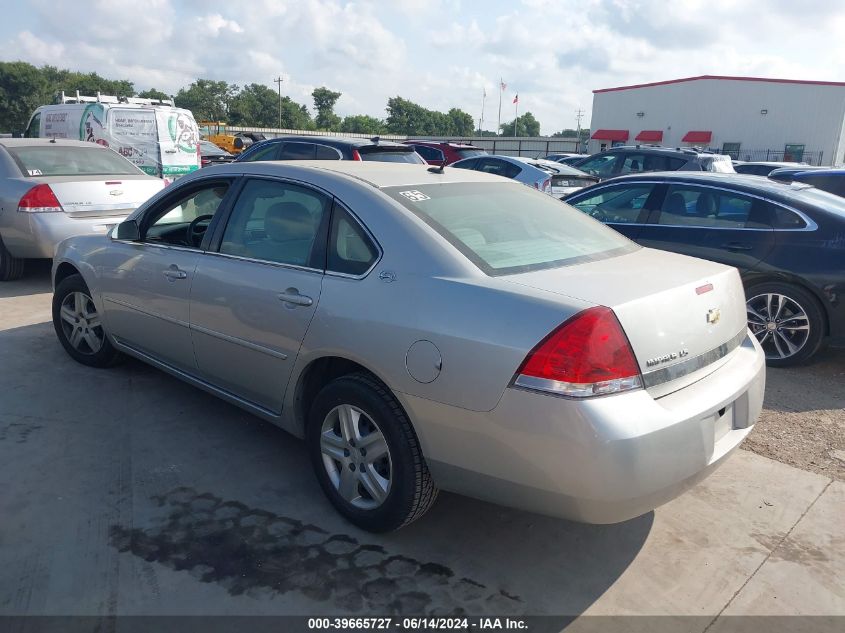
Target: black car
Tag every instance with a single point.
(210, 154)
(832, 180)
(331, 148)
(787, 240)
(634, 159)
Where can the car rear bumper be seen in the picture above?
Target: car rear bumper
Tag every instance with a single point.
(36, 235)
(601, 460)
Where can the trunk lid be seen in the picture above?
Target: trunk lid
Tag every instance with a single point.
(99, 196)
(682, 315)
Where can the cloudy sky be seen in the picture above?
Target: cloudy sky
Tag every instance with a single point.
(439, 53)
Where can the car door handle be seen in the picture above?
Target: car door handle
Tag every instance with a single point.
(173, 273)
(737, 246)
(292, 296)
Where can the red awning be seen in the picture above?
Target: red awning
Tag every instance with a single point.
(650, 135)
(610, 135)
(699, 136)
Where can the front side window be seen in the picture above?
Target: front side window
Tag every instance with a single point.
(498, 167)
(688, 205)
(184, 221)
(601, 166)
(34, 127)
(616, 204)
(267, 152)
(275, 222)
(506, 228)
(350, 250)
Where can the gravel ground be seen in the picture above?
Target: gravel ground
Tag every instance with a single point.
(803, 420)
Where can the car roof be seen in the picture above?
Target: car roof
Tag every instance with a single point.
(747, 182)
(375, 173)
(774, 163)
(66, 142)
(449, 143)
(337, 140)
(689, 152)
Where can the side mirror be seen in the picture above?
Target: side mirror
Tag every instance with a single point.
(128, 230)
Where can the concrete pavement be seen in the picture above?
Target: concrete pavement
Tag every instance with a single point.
(125, 491)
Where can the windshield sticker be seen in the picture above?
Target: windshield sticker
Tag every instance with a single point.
(34, 172)
(414, 195)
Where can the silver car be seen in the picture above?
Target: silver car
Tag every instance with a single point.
(544, 175)
(426, 330)
(53, 189)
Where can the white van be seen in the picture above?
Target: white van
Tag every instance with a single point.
(159, 138)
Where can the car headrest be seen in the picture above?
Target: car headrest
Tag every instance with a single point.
(676, 205)
(288, 221)
(705, 205)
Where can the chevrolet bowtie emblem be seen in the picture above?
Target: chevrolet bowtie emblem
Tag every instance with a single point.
(116, 192)
(714, 315)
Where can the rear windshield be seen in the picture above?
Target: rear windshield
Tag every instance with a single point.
(506, 228)
(385, 155)
(466, 153)
(66, 160)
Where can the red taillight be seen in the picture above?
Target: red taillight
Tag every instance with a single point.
(547, 185)
(588, 355)
(40, 199)
(356, 155)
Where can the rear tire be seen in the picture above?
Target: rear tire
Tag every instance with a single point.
(788, 322)
(79, 326)
(394, 468)
(11, 267)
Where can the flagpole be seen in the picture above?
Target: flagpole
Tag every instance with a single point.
(501, 90)
(481, 120)
(516, 119)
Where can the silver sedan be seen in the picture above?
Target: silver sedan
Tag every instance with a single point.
(426, 330)
(553, 178)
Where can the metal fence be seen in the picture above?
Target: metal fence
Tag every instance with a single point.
(532, 146)
(776, 155)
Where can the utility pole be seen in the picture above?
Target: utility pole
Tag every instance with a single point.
(502, 88)
(278, 80)
(578, 114)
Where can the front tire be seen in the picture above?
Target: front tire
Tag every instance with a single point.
(366, 455)
(79, 325)
(11, 267)
(787, 321)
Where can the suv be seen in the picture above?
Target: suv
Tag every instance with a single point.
(330, 148)
(444, 152)
(633, 159)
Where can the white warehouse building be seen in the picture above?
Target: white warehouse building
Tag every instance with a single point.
(749, 118)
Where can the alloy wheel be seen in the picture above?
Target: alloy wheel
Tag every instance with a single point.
(356, 457)
(81, 323)
(780, 324)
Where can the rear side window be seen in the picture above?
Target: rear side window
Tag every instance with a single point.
(498, 167)
(399, 155)
(617, 204)
(66, 160)
(466, 153)
(324, 152)
(506, 228)
(601, 166)
(688, 205)
(350, 250)
(297, 151)
(429, 153)
(466, 164)
(782, 218)
(267, 152)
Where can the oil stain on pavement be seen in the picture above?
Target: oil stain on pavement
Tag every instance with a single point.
(246, 550)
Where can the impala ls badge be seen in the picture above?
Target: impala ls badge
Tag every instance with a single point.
(713, 316)
(651, 362)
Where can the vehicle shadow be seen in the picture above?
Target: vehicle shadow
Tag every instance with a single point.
(809, 387)
(35, 280)
(197, 498)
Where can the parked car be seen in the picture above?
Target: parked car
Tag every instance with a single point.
(765, 167)
(550, 363)
(444, 153)
(210, 154)
(53, 189)
(786, 241)
(633, 159)
(562, 156)
(827, 179)
(330, 148)
(547, 176)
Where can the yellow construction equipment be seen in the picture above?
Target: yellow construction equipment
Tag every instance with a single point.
(232, 142)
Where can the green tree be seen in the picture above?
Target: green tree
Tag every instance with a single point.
(528, 126)
(570, 133)
(407, 117)
(207, 99)
(362, 124)
(460, 123)
(23, 88)
(258, 106)
(324, 100)
(152, 93)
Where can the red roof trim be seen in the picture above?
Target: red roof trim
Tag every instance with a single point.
(610, 135)
(724, 78)
(650, 135)
(697, 136)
